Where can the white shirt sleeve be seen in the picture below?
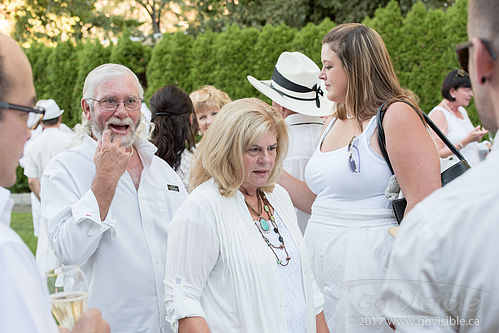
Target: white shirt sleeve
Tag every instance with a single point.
(30, 168)
(24, 303)
(193, 250)
(73, 220)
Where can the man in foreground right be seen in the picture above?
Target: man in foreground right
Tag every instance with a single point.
(443, 272)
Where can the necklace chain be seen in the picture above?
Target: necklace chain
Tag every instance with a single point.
(261, 198)
(449, 108)
(259, 203)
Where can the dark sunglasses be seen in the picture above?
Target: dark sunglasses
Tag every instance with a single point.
(35, 114)
(463, 54)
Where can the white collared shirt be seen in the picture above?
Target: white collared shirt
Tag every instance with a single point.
(123, 256)
(46, 146)
(38, 155)
(24, 300)
(304, 135)
(443, 271)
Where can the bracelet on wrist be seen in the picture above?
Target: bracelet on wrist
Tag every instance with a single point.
(460, 146)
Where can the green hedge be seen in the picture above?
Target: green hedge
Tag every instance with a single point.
(170, 63)
(421, 45)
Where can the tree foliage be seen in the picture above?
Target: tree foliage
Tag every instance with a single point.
(170, 63)
(280, 38)
(216, 15)
(388, 22)
(91, 54)
(156, 9)
(203, 60)
(133, 55)
(38, 55)
(53, 20)
(61, 78)
(308, 40)
(421, 44)
(237, 56)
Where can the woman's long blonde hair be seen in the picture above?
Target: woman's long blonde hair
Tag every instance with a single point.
(238, 126)
(371, 77)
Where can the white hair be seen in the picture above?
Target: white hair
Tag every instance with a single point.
(104, 73)
(96, 77)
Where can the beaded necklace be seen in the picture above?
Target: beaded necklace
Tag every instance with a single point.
(265, 226)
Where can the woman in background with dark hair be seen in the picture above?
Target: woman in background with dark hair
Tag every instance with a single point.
(452, 119)
(174, 128)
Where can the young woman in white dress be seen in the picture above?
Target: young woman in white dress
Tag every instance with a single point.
(347, 234)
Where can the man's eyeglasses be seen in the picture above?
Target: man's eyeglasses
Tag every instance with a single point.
(354, 155)
(111, 103)
(35, 114)
(463, 53)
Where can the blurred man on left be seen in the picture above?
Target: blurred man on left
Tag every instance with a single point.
(24, 302)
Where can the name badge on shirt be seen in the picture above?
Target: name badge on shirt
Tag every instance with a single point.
(173, 188)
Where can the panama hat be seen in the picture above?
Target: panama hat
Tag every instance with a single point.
(295, 85)
(52, 110)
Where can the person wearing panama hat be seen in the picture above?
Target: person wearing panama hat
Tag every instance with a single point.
(53, 139)
(296, 92)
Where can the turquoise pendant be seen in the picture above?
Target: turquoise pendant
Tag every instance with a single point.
(264, 224)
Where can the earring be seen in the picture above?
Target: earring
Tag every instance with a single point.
(483, 79)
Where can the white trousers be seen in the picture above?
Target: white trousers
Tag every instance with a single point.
(349, 251)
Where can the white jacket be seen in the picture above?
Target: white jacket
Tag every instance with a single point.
(218, 267)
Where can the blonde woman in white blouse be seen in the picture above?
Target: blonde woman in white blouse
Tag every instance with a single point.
(236, 259)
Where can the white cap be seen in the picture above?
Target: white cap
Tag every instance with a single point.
(52, 110)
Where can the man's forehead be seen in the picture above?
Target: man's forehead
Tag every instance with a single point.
(117, 86)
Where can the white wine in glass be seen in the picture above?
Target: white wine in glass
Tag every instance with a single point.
(68, 294)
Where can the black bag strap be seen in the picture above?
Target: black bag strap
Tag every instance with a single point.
(381, 133)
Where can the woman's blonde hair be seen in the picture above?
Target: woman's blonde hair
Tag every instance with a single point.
(239, 125)
(371, 77)
(209, 96)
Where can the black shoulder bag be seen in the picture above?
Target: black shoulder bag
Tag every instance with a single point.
(446, 176)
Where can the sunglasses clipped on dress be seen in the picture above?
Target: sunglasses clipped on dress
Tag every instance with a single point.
(354, 155)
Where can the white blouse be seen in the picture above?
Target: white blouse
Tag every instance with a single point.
(218, 267)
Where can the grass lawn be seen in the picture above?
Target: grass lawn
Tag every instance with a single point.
(22, 223)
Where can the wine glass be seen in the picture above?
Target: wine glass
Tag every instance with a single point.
(68, 291)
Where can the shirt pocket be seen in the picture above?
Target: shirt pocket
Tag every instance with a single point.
(168, 202)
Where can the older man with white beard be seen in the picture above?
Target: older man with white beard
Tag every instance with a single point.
(107, 204)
